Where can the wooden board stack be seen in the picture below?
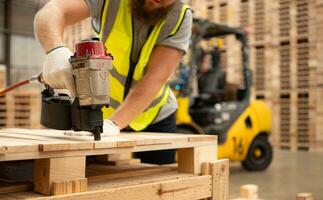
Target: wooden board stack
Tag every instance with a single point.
(60, 167)
(284, 45)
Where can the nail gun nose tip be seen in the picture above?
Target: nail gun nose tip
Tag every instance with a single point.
(97, 137)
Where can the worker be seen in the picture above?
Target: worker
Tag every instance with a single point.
(147, 39)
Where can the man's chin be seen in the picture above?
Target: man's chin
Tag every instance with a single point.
(148, 12)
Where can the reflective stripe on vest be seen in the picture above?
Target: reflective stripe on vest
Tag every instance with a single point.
(119, 44)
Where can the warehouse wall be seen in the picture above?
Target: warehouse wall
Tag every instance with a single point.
(26, 58)
(22, 16)
(26, 54)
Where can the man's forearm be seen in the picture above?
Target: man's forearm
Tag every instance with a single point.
(51, 20)
(138, 99)
(49, 26)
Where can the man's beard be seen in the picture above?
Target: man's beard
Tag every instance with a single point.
(151, 17)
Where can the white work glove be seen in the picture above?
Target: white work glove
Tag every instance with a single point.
(57, 71)
(109, 129)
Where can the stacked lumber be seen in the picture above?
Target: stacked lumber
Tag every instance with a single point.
(61, 170)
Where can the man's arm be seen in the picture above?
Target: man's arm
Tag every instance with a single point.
(50, 21)
(49, 25)
(162, 64)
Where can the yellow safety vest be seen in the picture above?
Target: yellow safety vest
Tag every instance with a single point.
(119, 44)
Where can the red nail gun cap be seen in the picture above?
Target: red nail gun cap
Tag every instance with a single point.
(90, 48)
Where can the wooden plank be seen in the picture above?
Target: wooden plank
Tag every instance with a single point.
(49, 143)
(198, 138)
(52, 170)
(144, 138)
(15, 187)
(114, 142)
(190, 159)
(44, 144)
(18, 145)
(192, 188)
(131, 173)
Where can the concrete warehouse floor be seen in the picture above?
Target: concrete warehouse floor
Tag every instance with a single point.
(290, 173)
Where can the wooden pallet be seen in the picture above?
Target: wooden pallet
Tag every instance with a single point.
(27, 106)
(60, 166)
(20, 109)
(6, 109)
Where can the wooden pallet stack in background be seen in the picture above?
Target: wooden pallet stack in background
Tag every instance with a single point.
(316, 29)
(20, 109)
(285, 46)
(6, 110)
(26, 109)
(298, 68)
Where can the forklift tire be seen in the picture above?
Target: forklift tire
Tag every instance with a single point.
(260, 154)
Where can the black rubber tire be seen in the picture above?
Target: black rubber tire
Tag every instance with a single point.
(252, 163)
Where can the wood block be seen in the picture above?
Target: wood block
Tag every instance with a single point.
(69, 186)
(219, 170)
(249, 192)
(190, 159)
(52, 170)
(304, 196)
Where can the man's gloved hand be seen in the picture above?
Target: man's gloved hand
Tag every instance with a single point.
(110, 128)
(57, 71)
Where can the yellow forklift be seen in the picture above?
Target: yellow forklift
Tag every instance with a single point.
(242, 125)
